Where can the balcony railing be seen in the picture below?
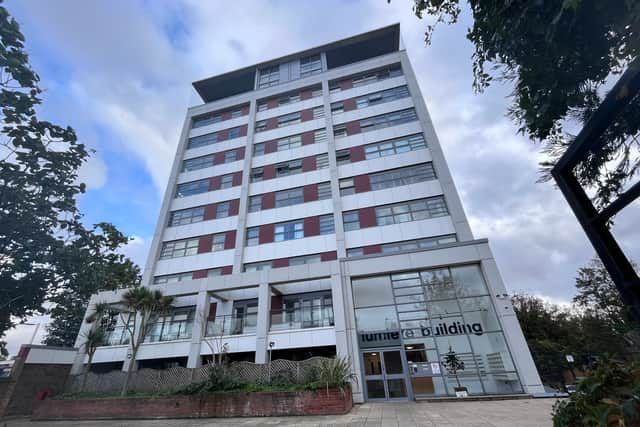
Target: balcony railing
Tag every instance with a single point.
(232, 325)
(302, 318)
(116, 336)
(169, 331)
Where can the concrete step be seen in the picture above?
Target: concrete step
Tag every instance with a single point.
(474, 398)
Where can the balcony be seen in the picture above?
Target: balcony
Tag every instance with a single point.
(302, 317)
(232, 325)
(118, 335)
(169, 331)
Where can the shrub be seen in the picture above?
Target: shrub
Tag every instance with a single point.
(609, 394)
(335, 373)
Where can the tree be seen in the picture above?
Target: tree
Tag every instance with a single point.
(559, 56)
(4, 353)
(87, 265)
(38, 182)
(92, 340)
(453, 364)
(138, 306)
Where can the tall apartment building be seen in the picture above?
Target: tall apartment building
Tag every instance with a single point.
(310, 211)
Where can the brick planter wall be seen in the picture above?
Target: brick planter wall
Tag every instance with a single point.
(259, 404)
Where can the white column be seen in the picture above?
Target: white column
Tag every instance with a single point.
(198, 330)
(78, 363)
(262, 327)
(129, 363)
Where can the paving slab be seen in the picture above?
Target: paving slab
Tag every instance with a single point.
(499, 413)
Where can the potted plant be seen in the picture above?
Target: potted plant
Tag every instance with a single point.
(453, 364)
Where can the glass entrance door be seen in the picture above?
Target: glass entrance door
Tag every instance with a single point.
(384, 373)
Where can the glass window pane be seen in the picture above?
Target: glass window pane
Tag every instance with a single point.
(372, 291)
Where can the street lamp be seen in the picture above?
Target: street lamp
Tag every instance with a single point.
(271, 344)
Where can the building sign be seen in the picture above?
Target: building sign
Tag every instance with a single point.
(389, 338)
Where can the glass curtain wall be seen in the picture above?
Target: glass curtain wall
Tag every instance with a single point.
(430, 312)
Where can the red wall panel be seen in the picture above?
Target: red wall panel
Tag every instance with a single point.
(308, 138)
(223, 135)
(277, 263)
(367, 217)
(212, 311)
(268, 200)
(227, 269)
(234, 207)
(272, 103)
(240, 153)
(199, 274)
(230, 239)
(214, 183)
(346, 84)
(272, 123)
(309, 164)
(356, 154)
(269, 172)
(237, 179)
(353, 128)
(372, 249)
(245, 110)
(328, 256)
(312, 226)
(218, 158)
(306, 94)
(349, 104)
(226, 115)
(361, 183)
(266, 234)
(243, 130)
(210, 211)
(205, 243)
(310, 192)
(306, 115)
(270, 147)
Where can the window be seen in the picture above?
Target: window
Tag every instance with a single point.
(395, 146)
(261, 126)
(305, 259)
(269, 76)
(318, 112)
(226, 181)
(322, 161)
(263, 105)
(258, 149)
(258, 266)
(387, 120)
(382, 97)
(340, 130)
(402, 176)
(429, 242)
(253, 236)
(172, 278)
(289, 99)
(411, 211)
(186, 216)
(202, 140)
(324, 190)
(337, 107)
(326, 224)
(346, 187)
(236, 113)
(214, 272)
(289, 168)
(222, 210)
(197, 163)
(289, 142)
(255, 203)
(310, 65)
(289, 197)
(320, 136)
(230, 156)
(355, 252)
(316, 92)
(374, 76)
(234, 133)
(218, 242)
(289, 119)
(288, 231)
(334, 87)
(191, 188)
(257, 174)
(343, 157)
(350, 220)
(205, 120)
(179, 248)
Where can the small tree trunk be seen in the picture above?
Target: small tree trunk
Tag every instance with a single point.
(86, 372)
(125, 385)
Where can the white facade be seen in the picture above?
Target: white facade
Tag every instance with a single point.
(311, 308)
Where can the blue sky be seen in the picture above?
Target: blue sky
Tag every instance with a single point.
(120, 73)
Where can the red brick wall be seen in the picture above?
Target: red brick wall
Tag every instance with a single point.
(214, 405)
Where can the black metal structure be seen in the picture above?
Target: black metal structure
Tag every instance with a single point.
(593, 222)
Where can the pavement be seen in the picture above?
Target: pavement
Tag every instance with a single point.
(495, 413)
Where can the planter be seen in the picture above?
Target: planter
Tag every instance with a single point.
(238, 404)
(461, 391)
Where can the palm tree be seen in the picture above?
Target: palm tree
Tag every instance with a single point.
(142, 304)
(92, 340)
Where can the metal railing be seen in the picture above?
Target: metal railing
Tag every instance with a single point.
(232, 325)
(169, 331)
(118, 335)
(302, 318)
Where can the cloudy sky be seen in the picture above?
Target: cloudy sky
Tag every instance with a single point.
(120, 73)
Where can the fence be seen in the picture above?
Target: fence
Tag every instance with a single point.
(155, 380)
